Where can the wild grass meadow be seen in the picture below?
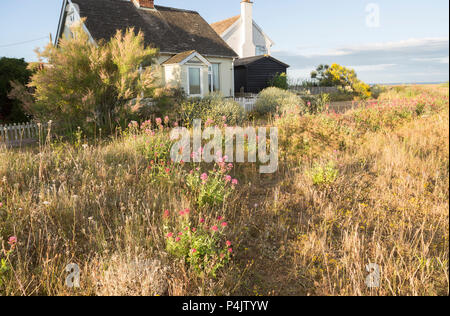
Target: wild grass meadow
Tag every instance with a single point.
(367, 186)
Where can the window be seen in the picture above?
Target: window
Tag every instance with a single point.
(261, 50)
(214, 77)
(194, 83)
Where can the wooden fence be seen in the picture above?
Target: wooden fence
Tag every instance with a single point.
(18, 134)
(314, 90)
(247, 103)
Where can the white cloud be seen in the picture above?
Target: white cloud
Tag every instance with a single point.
(429, 43)
(442, 60)
(301, 72)
(412, 60)
(378, 67)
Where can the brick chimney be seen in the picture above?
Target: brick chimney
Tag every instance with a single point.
(146, 4)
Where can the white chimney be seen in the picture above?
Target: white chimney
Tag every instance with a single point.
(247, 46)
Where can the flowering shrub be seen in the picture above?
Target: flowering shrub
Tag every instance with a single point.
(211, 189)
(5, 267)
(316, 103)
(202, 245)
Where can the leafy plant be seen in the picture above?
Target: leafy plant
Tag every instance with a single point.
(316, 103)
(202, 246)
(279, 81)
(420, 108)
(273, 101)
(323, 175)
(214, 108)
(210, 189)
(343, 78)
(12, 69)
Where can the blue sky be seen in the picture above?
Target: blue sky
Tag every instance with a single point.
(411, 43)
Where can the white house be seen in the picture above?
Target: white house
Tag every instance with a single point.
(243, 34)
(192, 55)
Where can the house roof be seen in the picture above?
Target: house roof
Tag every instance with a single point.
(250, 60)
(171, 30)
(184, 57)
(221, 26)
(178, 58)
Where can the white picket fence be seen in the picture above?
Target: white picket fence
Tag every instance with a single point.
(18, 134)
(247, 103)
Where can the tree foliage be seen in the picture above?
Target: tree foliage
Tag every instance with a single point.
(85, 83)
(279, 81)
(344, 78)
(12, 69)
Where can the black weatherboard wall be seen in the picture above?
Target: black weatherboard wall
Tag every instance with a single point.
(254, 73)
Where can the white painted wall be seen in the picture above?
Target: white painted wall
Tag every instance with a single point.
(177, 76)
(235, 36)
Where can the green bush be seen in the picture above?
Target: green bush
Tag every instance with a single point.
(214, 108)
(323, 175)
(278, 101)
(279, 81)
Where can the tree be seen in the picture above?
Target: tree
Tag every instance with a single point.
(343, 78)
(319, 75)
(279, 81)
(12, 69)
(84, 83)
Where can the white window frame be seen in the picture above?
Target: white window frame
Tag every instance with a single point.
(201, 81)
(211, 73)
(259, 49)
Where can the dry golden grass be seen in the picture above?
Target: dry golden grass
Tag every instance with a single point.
(99, 206)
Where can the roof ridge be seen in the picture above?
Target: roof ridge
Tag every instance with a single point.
(176, 9)
(233, 17)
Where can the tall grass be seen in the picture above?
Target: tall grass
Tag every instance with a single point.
(368, 186)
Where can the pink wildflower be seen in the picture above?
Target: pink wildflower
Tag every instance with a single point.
(204, 177)
(230, 250)
(12, 240)
(177, 239)
(224, 224)
(169, 235)
(228, 243)
(234, 182)
(215, 228)
(228, 178)
(194, 250)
